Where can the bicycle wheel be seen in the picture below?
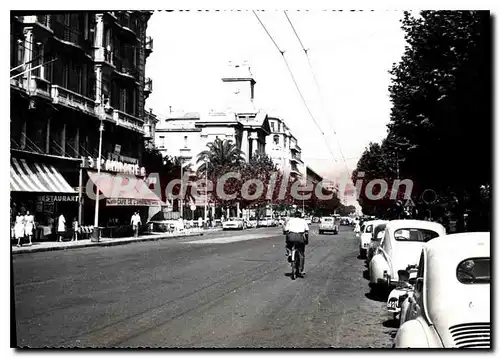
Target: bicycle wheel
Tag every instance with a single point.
(297, 264)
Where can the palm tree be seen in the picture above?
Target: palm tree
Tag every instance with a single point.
(219, 154)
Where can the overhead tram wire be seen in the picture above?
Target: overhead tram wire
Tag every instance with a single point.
(317, 88)
(296, 85)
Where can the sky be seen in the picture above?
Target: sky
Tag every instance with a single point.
(350, 54)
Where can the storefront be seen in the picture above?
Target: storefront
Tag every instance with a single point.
(122, 191)
(38, 185)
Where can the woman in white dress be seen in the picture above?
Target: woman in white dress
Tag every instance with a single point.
(19, 228)
(29, 225)
(61, 227)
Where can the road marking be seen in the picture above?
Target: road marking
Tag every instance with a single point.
(225, 240)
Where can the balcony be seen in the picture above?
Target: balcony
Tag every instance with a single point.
(148, 86)
(295, 147)
(294, 171)
(128, 121)
(126, 23)
(41, 25)
(104, 55)
(125, 68)
(296, 159)
(43, 21)
(40, 87)
(70, 35)
(70, 99)
(18, 83)
(148, 46)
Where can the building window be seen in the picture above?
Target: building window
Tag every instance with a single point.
(279, 126)
(185, 141)
(161, 143)
(272, 126)
(276, 139)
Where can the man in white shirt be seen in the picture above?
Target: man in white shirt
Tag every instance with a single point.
(297, 233)
(135, 221)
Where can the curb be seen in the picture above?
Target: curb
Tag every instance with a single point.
(107, 243)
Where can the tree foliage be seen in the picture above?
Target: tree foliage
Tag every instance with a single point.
(440, 120)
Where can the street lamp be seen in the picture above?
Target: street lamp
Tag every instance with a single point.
(95, 233)
(206, 190)
(181, 201)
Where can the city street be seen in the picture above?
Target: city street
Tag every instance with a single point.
(225, 289)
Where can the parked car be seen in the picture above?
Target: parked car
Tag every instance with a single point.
(251, 223)
(327, 224)
(267, 221)
(234, 224)
(450, 307)
(400, 247)
(366, 235)
(378, 234)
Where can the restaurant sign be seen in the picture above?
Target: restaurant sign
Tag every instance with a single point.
(132, 202)
(113, 166)
(57, 198)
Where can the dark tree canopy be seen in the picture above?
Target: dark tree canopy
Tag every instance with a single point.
(440, 124)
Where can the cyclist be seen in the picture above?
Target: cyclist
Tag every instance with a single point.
(297, 233)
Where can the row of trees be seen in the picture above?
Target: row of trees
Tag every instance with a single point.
(223, 157)
(439, 134)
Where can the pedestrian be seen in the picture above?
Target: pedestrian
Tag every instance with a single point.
(61, 227)
(19, 228)
(135, 221)
(75, 230)
(357, 228)
(200, 222)
(29, 225)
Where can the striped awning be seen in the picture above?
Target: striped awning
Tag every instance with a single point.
(37, 177)
(124, 190)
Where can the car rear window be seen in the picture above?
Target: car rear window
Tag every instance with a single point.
(474, 270)
(327, 220)
(418, 235)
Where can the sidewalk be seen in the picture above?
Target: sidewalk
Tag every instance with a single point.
(68, 245)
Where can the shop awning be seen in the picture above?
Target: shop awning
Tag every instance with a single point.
(28, 176)
(124, 190)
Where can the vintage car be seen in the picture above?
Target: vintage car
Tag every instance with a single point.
(234, 224)
(399, 248)
(366, 235)
(378, 234)
(267, 221)
(329, 224)
(450, 306)
(251, 223)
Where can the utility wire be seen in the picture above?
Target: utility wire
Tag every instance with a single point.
(318, 89)
(296, 84)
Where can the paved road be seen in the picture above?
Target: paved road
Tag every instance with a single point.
(225, 289)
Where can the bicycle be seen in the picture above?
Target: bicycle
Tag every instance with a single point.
(294, 259)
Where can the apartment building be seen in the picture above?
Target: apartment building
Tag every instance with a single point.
(282, 147)
(186, 134)
(74, 76)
